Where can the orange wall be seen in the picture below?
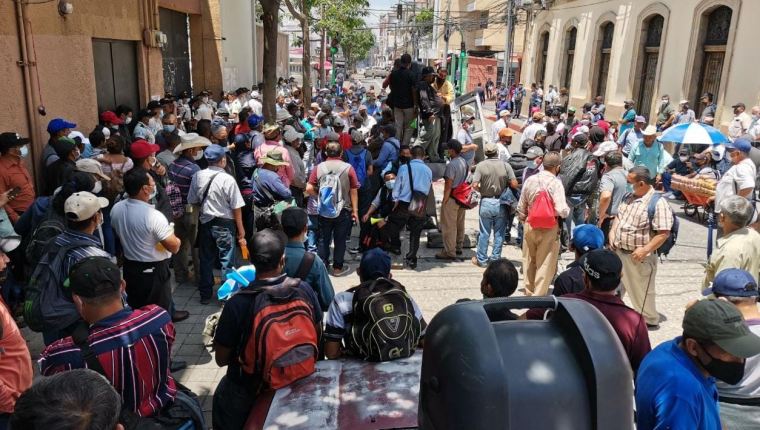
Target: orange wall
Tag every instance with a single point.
(477, 71)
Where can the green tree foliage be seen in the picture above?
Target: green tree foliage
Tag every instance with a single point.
(356, 46)
(424, 20)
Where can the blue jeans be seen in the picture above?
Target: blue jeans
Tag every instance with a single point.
(493, 217)
(577, 212)
(334, 230)
(312, 234)
(217, 243)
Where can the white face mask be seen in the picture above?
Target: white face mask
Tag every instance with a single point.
(98, 187)
(683, 159)
(204, 99)
(24, 151)
(198, 155)
(532, 164)
(390, 183)
(128, 120)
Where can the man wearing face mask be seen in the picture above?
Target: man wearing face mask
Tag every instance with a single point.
(666, 114)
(675, 385)
(148, 242)
(649, 153)
(142, 130)
(629, 115)
(14, 174)
(636, 239)
(740, 124)
(679, 166)
(181, 173)
(739, 407)
(83, 212)
(740, 177)
(154, 122)
(124, 113)
(754, 125)
(60, 171)
(143, 154)
(169, 129)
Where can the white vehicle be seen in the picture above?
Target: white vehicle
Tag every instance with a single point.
(466, 105)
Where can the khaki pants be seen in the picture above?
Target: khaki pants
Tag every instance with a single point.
(186, 229)
(540, 252)
(638, 282)
(452, 227)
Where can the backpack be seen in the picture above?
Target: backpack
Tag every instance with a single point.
(283, 345)
(359, 163)
(115, 187)
(541, 213)
(46, 306)
(330, 200)
(384, 326)
(666, 246)
(51, 226)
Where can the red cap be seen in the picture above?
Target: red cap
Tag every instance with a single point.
(111, 117)
(141, 148)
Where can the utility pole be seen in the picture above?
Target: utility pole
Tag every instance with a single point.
(446, 33)
(323, 39)
(508, 45)
(255, 44)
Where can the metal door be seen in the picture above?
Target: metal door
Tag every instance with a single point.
(604, 69)
(176, 52)
(712, 69)
(646, 91)
(115, 64)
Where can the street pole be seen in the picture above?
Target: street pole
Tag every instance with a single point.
(507, 46)
(446, 33)
(255, 47)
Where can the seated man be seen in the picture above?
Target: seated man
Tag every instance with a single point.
(132, 346)
(375, 264)
(499, 280)
(586, 237)
(238, 389)
(78, 399)
(680, 165)
(602, 272)
(381, 207)
(300, 263)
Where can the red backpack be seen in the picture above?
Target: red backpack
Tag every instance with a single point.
(541, 212)
(282, 347)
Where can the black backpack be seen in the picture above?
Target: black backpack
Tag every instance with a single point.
(670, 242)
(50, 227)
(383, 323)
(46, 306)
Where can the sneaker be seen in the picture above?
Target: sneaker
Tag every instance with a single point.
(459, 252)
(442, 256)
(205, 300)
(340, 271)
(672, 197)
(410, 263)
(355, 250)
(180, 316)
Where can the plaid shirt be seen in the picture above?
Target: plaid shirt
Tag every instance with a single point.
(633, 229)
(181, 173)
(133, 346)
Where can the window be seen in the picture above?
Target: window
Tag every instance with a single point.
(606, 33)
(651, 55)
(542, 54)
(570, 38)
(713, 53)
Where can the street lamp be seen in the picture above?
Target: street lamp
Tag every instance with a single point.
(333, 51)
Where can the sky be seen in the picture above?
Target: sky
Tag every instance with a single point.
(376, 6)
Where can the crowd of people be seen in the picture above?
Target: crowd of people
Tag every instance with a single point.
(167, 195)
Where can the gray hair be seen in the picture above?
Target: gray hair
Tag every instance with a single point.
(738, 210)
(641, 174)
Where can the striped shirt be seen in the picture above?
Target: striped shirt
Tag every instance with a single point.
(633, 229)
(181, 172)
(133, 347)
(75, 255)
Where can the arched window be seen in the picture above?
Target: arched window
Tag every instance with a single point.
(606, 33)
(543, 45)
(713, 50)
(652, 36)
(570, 37)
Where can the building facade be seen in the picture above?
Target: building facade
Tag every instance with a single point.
(644, 49)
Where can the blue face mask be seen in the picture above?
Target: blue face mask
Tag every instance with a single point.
(169, 128)
(531, 164)
(390, 183)
(24, 151)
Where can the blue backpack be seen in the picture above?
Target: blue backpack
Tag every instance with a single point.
(665, 248)
(359, 163)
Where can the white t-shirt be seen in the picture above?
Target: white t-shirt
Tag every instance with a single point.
(204, 111)
(223, 194)
(531, 130)
(496, 127)
(140, 227)
(738, 177)
(256, 106)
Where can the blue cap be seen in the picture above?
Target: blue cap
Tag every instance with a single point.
(740, 144)
(734, 283)
(587, 237)
(374, 264)
(214, 153)
(254, 120)
(57, 124)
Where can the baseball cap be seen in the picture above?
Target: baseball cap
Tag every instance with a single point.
(153, 104)
(11, 140)
(57, 124)
(504, 113)
(603, 267)
(427, 71)
(649, 131)
(141, 148)
(733, 282)
(571, 109)
(109, 116)
(291, 135)
(587, 237)
(605, 148)
(282, 115)
(640, 118)
(506, 132)
(356, 136)
(375, 263)
(740, 144)
(63, 146)
(214, 152)
(740, 104)
(254, 120)
(83, 205)
(338, 123)
(94, 277)
(490, 148)
(720, 322)
(534, 152)
(93, 166)
(580, 139)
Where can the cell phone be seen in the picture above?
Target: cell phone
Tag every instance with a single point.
(14, 192)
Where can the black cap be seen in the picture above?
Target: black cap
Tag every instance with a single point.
(427, 71)
(374, 264)
(11, 140)
(580, 139)
(94, 277)
(603, 268)
(165, 101)
(153, 104)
